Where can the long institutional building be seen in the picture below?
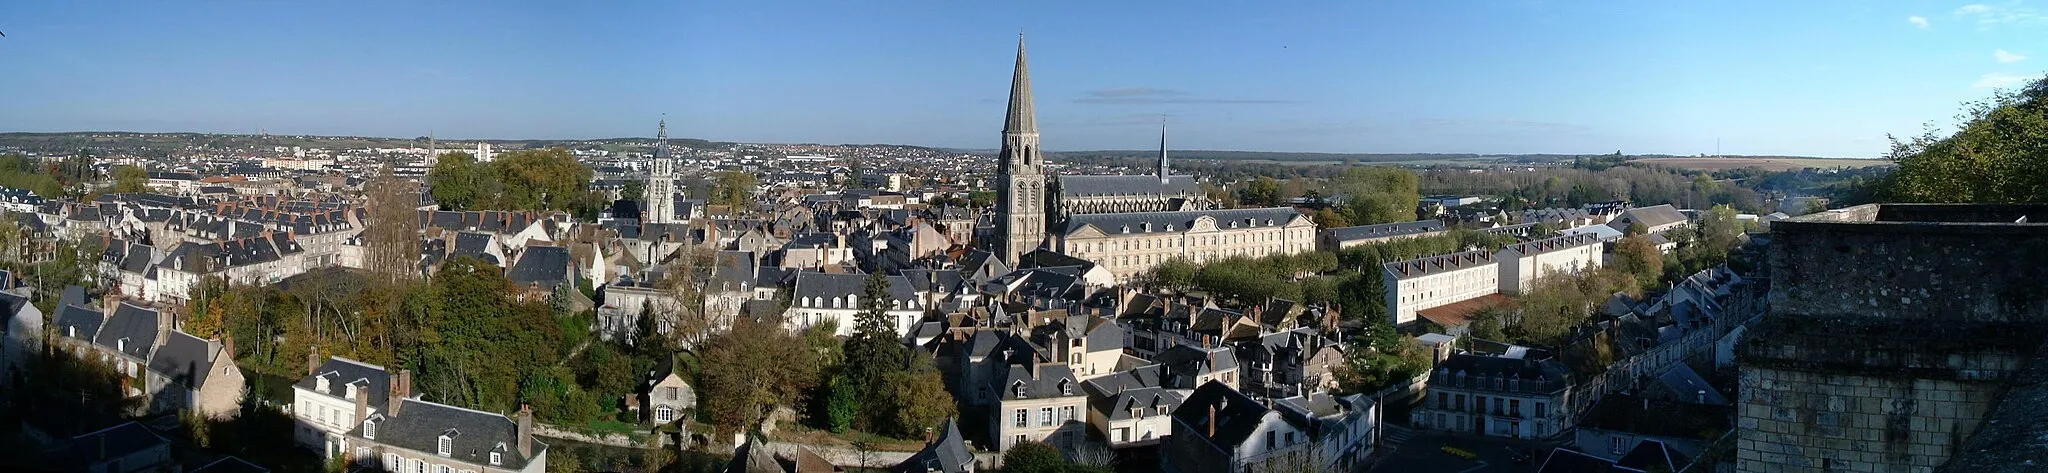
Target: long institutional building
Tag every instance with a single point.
(1425, 283)
(1126, 224)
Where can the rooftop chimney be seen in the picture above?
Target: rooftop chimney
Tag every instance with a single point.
(362, 401)
(312, 360)
(525, 431)
(400, 388)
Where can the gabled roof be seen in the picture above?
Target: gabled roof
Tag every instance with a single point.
(947, 453)
(1554, 244)
(830, 285)
(544, 265)
(474, 434)
(1142, 185)
(133, 323)
(1236, 416)
(84, 321)
(1564, 460)
(1653, 455)
(112, 443)
(1651, 217)
(342, 371)
(185, 359)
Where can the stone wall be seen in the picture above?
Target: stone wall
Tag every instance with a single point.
(1891, 332)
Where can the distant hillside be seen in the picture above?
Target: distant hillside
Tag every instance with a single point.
(62, 142)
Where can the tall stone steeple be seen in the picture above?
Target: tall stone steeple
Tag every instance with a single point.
(661, 177)
(1162, 150)
(1020, 177)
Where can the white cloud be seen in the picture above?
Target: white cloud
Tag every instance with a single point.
(2008, 13)
(1917, 20)
(2008, 56)
(2000, 80)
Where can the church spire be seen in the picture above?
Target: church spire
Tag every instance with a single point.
(1162, 150)
(1023, 116)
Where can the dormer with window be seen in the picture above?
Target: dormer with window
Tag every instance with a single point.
(370, 427)
(446, 445)
(320, 384)
(1017, 389)
(1066, 387)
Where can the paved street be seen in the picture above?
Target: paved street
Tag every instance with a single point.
(1407, 450)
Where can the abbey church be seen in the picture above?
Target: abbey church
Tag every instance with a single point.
(1126, 224)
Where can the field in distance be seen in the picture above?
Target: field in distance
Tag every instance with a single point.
(1773, 164)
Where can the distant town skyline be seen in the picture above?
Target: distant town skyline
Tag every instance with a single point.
(1497, 77)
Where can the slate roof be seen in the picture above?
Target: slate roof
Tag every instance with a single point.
(133, 323)
(546, 266)
(475, 244)
(1563, 460)
(1535, 373)
(85, 321)
(185, 359)
(1439, 264)
(1653, 455)
(111, 443)
(229, 464)
(1115, 395)
(1688, 386)
(1188, 362)
(342, 371)
(1384, 230)
(476, 433)
(1052, 377)
(1656, 417)
(1237, 416)
(947, 453)
(1128, 185)
(830, 285)
(1177, 222)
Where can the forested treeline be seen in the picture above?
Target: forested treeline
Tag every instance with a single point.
(1997, 155)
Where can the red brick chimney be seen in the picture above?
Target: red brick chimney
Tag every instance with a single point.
(1212, 421)
(400, 388)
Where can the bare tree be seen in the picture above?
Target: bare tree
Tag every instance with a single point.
(685, 315)
(391, 233)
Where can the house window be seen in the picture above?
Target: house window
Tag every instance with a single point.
(369, 429)
(1515, 407)
(391, 462)
(494, 459)
(1540, 411)
(1044, 416)
(664, 414)
(1616, 444)
(445, 446)
(443, 469)
(1270, 444)
(1067, 412)
(1290, 439)
(674, 393)
(1023, 418)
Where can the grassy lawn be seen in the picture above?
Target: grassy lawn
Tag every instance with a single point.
(807, 435)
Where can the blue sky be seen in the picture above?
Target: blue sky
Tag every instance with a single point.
(1825, 78)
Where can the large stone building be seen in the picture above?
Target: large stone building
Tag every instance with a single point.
(1523, 393)
(1125, 223)
(1131, 243)
(1894, 333)
(1439, 280)
(1523, 265)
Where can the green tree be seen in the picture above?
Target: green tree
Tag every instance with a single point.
(1379, 195)
(458, 182)
(1995, 156)
(1636, 256)
(544, 179)
(734, 190)
(748, 374)
(874, 351)
(130, 180)
(915, 400)
(1326, 218)
(1261, 192)
(1174, 274)
(981, 199)
(842, 404)
(635, 190)
(1034, 457)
